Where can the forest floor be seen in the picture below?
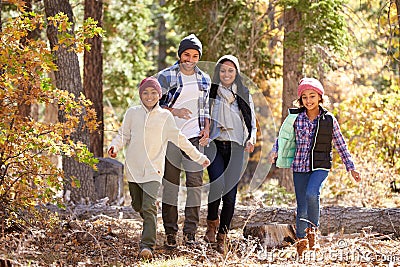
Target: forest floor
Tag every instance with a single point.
(90, 236)
(104, 240)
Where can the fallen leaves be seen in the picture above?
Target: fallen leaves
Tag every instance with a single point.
(106, 241)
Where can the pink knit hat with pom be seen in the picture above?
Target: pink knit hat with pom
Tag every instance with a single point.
(150, 82)
(310, 83)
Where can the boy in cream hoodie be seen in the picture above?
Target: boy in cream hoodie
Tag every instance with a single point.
(146, 130)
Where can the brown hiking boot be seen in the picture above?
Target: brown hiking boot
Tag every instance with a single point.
(189, 239)
(301, 246)
(170, 243)
(211, 231)
(221, 243)
(312, 236)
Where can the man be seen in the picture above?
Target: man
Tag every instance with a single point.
(185, 93)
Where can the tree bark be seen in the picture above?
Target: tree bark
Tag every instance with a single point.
(292, 66)
(109, 180)
(93, 76)
(398, 26)
(24, 108)
(162, 41)
(68, 78)
(333, 219)
(1, 21)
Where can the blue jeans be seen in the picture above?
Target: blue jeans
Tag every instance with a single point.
(307, 186)
(224, 171)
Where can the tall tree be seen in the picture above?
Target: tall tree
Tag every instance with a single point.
(293, 52)
(68, 78)
(93, 75)
(162, 40)
(25, 110)
(1, 8)
(292, 72)
(397, 58)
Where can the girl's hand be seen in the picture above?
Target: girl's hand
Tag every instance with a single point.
(272, 157)
(111, 152)
(249, 147)
(356, 175)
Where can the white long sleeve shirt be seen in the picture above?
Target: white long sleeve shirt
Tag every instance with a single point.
(146, 135)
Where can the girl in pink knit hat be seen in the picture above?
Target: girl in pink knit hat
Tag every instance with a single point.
(304, 144)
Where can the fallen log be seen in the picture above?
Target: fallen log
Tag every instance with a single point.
(334, 219)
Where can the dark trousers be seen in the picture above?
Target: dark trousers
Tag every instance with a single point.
(176, 161)
(224, 171)
(144, 196)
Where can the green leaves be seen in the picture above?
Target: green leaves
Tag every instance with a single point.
(128, 49)
(323, 31)
(373, 129)
(75, 40)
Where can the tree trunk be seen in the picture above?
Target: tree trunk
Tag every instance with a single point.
(162, 41)
(292, 66)
(1, 22)
(109, 180)
(51, 116)
(68, 78)
(25, 109)
(333, 219)
(398, 44)
(93, 76)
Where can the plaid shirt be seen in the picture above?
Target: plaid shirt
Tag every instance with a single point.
(171, 84)
(304, 130)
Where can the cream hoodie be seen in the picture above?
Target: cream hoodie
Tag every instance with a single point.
(146, 135)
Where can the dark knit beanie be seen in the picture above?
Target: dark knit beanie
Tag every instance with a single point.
(190, 42)
(150, 82)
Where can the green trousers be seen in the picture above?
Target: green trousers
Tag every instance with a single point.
(144, 196)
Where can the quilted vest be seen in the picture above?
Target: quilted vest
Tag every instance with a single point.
(287, 140)
(321, 153)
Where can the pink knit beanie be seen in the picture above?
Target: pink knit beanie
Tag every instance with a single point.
(310, 83)
(150, 82)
